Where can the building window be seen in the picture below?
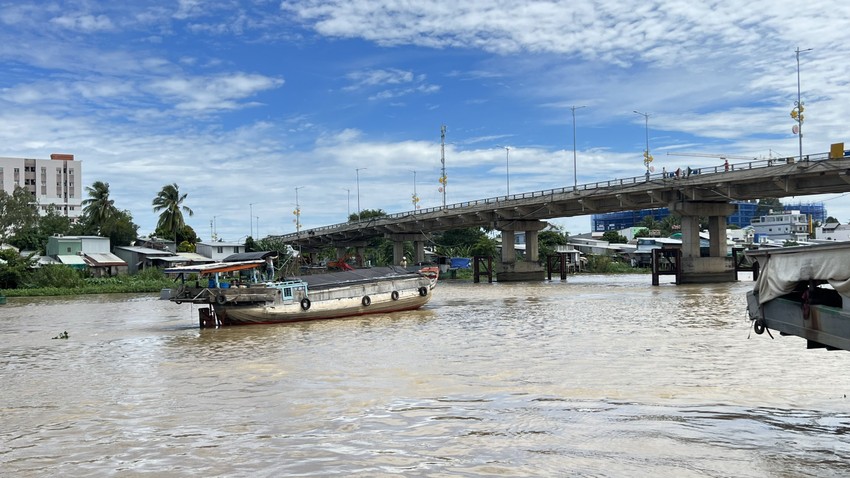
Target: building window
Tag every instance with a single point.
(220, 250)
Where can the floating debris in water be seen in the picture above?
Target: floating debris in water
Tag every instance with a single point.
(63, 335)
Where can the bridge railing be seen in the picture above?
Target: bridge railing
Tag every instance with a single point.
(595, 186)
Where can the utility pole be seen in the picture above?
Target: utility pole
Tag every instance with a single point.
(797, 112)
(443, 178)
(647, 157)
(357, 172)
(297, 212)
(508, 167)
(575, 170)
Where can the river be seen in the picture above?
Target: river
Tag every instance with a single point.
(599, 375)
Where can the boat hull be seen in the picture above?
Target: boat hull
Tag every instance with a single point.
(235, 314)
(324, 296)
(823, 326)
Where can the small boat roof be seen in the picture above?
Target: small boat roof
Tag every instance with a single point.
(331, 279)
(205, 269)
(783, 268)
(249, 256)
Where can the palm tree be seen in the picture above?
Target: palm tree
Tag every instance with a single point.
(98, 208)
(170, 202)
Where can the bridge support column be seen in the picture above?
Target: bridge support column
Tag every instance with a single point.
(525, 270)
(418, 241)
(717, 267)
(340, 252)
(418, 252)
(398, 252)
(360, 251)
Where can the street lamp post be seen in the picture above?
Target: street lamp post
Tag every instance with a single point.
(415, 198)
(213, 230)
(799, 104)
(647, 158)
(508, 167)
(251, 219)
(297, 212)
(357, 172)
(258, 226)
(349, 203)
(575, 170)
(444, 180)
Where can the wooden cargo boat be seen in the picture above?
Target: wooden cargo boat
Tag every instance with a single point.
(803, 291)
(321, 296)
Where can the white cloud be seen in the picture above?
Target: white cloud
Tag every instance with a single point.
(220, 92)
(397, 83)
(621, 33)
(84, 23)
(149, 95)
(390, 76)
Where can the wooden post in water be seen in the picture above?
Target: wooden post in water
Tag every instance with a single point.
(479, 263)
(206, 318)
(561, 259)
(666, 262)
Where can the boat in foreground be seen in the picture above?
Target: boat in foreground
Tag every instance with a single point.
(803, 291)
(243, 299)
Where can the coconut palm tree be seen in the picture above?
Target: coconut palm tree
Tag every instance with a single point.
(98, 208)
(170, 202)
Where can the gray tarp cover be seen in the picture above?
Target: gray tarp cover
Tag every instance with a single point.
(780, 271)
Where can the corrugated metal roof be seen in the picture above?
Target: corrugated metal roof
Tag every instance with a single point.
(194, 257)
(144, 250)
(249, 256)
(104, 259)
(72, 260)
(168, 259)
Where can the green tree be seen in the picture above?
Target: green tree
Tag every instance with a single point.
(485, 246)
(48, 225)
(614, 237)
(549, 239)
(19, 219)
(250, 245)
(170, 202)
(184, 234)
(642, 232)
(671, 224)
(458, 242)
(284, 254)
(120, 229)
(98, 209)
(14, 268)
(53, 223)
(768, 204)
(830, 219)
(366, 214)
(649, 223)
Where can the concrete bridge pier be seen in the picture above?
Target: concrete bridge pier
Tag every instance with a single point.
(418, 241)
(529, 269)
(717, 267)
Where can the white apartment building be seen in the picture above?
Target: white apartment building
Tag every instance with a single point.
(56, 181)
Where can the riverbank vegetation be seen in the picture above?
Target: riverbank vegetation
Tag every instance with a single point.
(59, 280)
(608, 265)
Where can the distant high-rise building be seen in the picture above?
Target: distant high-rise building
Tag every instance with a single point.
(742, 217)
(56, 181)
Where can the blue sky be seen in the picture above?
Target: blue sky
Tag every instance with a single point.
(242, 102)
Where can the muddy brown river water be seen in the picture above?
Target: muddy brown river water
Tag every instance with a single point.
(595, 376)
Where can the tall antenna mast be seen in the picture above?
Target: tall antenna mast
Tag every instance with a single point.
(443, 177)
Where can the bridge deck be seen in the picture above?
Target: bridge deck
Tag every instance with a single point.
(744, 181)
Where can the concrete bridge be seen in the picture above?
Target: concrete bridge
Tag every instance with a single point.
(706, 192)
